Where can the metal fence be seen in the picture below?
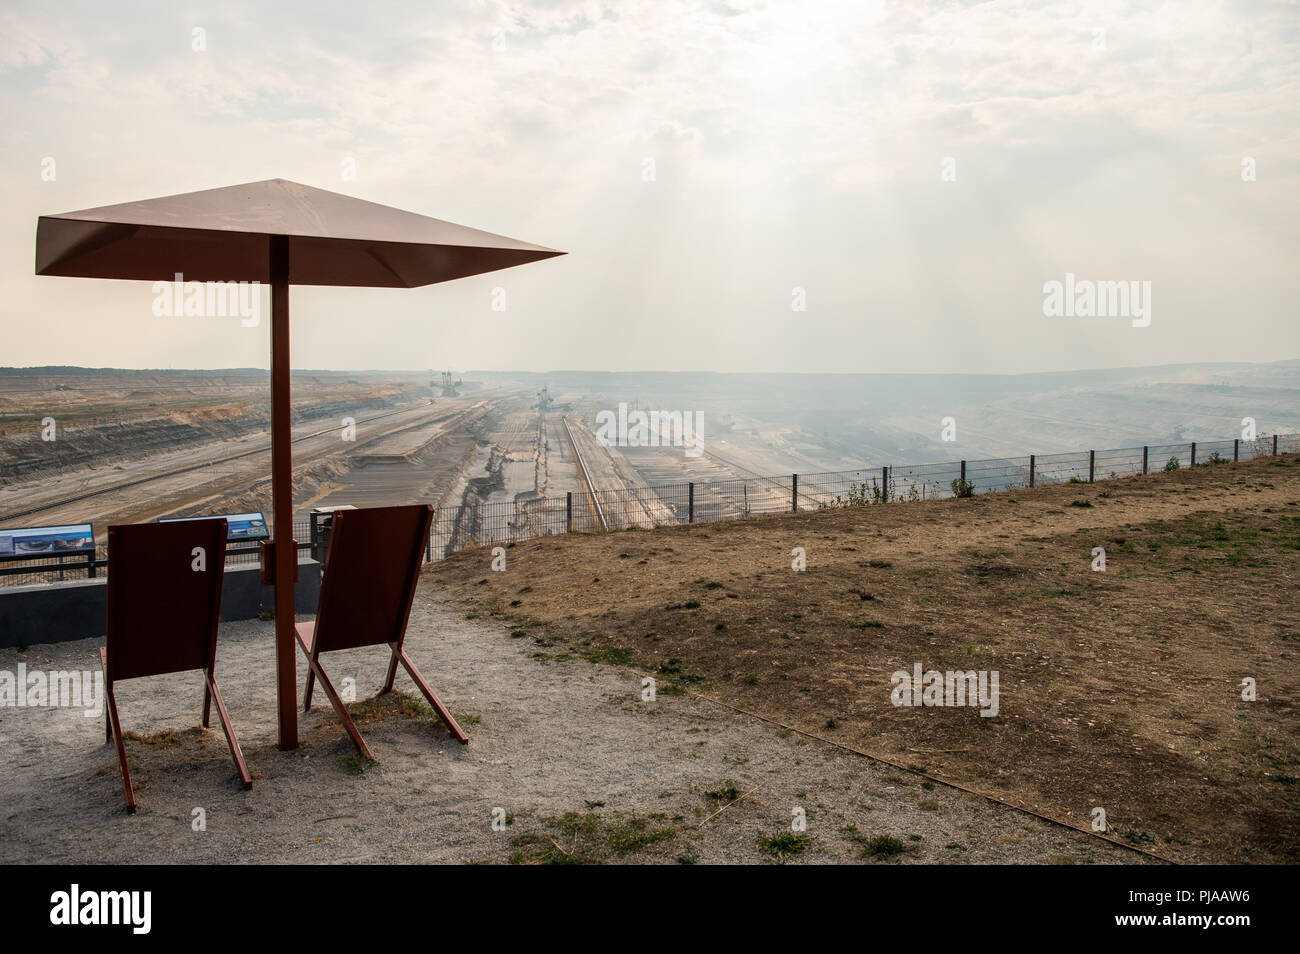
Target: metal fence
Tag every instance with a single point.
(488, 523)
(498, 522)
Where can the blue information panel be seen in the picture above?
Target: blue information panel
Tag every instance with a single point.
(239, 526)
(47, 541)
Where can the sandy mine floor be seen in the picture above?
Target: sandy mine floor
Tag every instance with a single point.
(584, 770)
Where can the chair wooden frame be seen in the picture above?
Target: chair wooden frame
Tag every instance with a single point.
(161, 619)
(390, 542)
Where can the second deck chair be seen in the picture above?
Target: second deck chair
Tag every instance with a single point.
(164, 605)
(371, 571)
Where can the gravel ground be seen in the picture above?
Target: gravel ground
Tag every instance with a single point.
(581, 766)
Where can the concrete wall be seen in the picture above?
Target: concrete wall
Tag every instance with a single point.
(75, 609)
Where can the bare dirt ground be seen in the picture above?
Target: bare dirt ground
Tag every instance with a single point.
(1120, 689)
(583, 769)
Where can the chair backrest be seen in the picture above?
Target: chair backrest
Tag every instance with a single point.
(164, 600)
(371, 571)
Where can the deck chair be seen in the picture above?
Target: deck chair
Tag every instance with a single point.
(163, 615)
(371, 569)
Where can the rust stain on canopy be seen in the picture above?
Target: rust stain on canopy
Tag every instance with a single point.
(224, 235)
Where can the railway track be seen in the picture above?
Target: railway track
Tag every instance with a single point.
(190, 468)
(585, 476)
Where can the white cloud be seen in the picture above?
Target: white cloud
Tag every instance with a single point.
(794, 143)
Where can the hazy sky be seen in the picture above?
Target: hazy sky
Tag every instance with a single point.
(795, 145)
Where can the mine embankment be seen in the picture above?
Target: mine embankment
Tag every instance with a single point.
(24, 453)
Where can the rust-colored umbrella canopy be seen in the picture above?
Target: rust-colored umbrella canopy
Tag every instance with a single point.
(224, 235)
(281, 233)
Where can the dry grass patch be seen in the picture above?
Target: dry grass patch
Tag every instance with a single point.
(1119, 690)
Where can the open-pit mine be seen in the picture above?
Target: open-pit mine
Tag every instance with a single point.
(106, 446)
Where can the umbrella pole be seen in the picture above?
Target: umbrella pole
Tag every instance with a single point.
(286, 550)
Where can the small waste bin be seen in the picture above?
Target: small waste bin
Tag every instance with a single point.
(322, 519)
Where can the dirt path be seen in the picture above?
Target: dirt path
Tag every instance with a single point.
(583, 768)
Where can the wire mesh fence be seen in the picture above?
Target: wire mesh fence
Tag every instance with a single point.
(923, 481)
(498, 522)
(1122, 462)
(737, 498)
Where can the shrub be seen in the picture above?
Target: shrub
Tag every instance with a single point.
(883, 846)
(859, 495)
(783, 845)
(963, 488)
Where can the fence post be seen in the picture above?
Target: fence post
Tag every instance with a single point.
(1031, 470)
(963, 472)
(794, 492)
(1236, 449)
(690, 502)
(1092, 465)
(1274, 445)
(568, 512)
(1144, 458)
(1193, 453)
(884, 484)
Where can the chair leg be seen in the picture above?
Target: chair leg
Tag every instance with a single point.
(392, 674)
(447, 718)
(336, 702)
(207, 705)
(311, 675)
(115, 729)
(233, 742)
(311, 684)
